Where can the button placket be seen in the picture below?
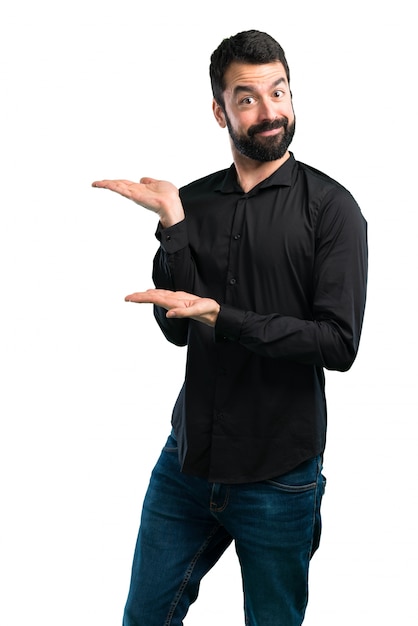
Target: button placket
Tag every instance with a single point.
(220, 413)
(236, 230)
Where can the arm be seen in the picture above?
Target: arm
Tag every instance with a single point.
(162, 198)
(330, 336)
(276, 336)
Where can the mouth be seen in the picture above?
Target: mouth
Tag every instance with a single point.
(269, 133)
(268, 129)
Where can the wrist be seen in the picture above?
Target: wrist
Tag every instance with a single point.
(172, 215)
(212, 316)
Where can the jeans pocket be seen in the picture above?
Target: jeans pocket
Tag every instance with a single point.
(273, 482)
(299, 480)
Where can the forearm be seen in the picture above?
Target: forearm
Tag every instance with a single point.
(324, 343)
(174, 267)
(174, 330)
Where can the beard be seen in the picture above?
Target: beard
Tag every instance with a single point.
(263, 148)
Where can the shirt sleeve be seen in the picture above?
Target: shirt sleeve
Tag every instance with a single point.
(330, 338)
(173, 246)
(174, 267)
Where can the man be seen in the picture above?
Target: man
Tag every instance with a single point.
(261, 271)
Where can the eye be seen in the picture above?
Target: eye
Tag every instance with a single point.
(278, 93)
(247, 100)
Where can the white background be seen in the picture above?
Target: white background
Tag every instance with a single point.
(93, 90)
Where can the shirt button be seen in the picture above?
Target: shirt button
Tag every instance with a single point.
(168, 238)
(232, 281)
(237, 236)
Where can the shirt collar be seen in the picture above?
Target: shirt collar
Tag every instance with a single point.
(281, 177)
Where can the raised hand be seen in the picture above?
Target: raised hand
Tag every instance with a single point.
(158, 196)
(180, 304)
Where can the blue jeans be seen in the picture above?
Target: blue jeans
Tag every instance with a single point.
(187, 523)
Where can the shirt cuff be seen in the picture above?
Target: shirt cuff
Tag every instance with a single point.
(229, 323)
(173, 238)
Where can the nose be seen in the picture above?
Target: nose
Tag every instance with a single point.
(267, 109)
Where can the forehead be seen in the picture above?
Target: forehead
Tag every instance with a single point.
(255, 76)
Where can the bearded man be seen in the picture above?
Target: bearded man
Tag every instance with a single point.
(261, 271)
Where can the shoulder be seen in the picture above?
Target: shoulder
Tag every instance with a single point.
(319, 180)
(325, 193)
(206, 184)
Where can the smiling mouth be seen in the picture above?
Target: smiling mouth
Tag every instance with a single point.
(269, 133)
(267, 129)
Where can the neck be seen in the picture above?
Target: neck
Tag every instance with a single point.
(250, 173)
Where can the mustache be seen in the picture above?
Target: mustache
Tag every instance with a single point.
(281, 122)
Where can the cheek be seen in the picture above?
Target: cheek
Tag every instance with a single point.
(243, 121)
(290, 114)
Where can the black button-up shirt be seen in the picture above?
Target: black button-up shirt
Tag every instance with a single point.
(287, 262)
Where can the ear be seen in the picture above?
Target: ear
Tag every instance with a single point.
(218, 113)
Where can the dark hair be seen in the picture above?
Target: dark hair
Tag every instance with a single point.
(251, 46)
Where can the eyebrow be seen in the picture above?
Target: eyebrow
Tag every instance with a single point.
(246, 88)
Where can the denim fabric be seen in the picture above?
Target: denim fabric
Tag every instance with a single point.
(187, 523)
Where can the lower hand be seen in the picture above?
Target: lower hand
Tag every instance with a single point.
(180, 304)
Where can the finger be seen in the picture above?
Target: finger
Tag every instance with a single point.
(161, 297)
(123, 187)
(192, 309)
(166, 299)
(140, 296)
(163, 293)
(179, 313)
(106, 182)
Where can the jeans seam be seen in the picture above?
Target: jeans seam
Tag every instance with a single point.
(188, 575)
(214, 508)
(314, 507)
